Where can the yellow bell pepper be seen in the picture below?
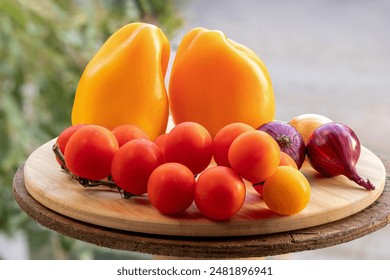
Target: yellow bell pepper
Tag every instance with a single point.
(124, 82)
(216, 81)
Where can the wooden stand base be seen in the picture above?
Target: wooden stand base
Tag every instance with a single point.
(362, 223)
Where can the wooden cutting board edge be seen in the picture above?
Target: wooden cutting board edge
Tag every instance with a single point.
(184, 227)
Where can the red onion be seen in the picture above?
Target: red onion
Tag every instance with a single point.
(333, 149)
(288, 138)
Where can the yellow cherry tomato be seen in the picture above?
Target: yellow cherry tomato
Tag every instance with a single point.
(287, 191)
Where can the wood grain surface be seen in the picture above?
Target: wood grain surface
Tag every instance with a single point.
(369, 220)
(332, 199)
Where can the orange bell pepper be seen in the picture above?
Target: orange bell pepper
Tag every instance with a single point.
(216, 81)
(124, 82)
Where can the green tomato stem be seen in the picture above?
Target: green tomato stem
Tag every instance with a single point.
(87, 183)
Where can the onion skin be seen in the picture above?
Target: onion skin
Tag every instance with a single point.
(334, 149)
(306, 123)
(288, 139)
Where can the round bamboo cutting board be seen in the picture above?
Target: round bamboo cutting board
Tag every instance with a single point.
(331, 199)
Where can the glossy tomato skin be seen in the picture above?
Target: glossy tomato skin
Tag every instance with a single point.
(224, 138)
(133, 163)
(189, 143)
(254, 155)
(127, 132)
(287, 191)
(286, 160)
(89, 152)
(64, 136)
(259, 187)
(219, 193)
(171, 188)
(160, 142)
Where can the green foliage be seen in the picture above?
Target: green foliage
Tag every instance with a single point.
(44, 47)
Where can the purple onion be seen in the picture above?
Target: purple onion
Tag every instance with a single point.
(333, 149)
(289, 139)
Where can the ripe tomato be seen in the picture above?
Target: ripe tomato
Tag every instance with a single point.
(286, 160)
(224, 138)
(127, 132)
(160, 142)
(171, 188)
(254, 155)
(219, 193)
(287, 191)
(133, 163)
(89, 152)
(259, 187)
(64, 136)
(189, 143)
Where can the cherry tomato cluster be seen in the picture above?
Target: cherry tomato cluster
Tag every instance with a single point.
(257, 158)
(175, 169)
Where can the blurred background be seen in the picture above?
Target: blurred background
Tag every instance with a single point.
(326, 57)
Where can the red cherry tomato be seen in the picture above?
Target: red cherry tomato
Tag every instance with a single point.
(259, 187)
(160, 142)
(64, 136)
(224, 138)
(254, 155)
(171, 188)
(189, 143)
(89, 152)
(127, 132)
(219, 193)
(133, 163)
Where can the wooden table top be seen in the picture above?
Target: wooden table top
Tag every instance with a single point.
(373, 218)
